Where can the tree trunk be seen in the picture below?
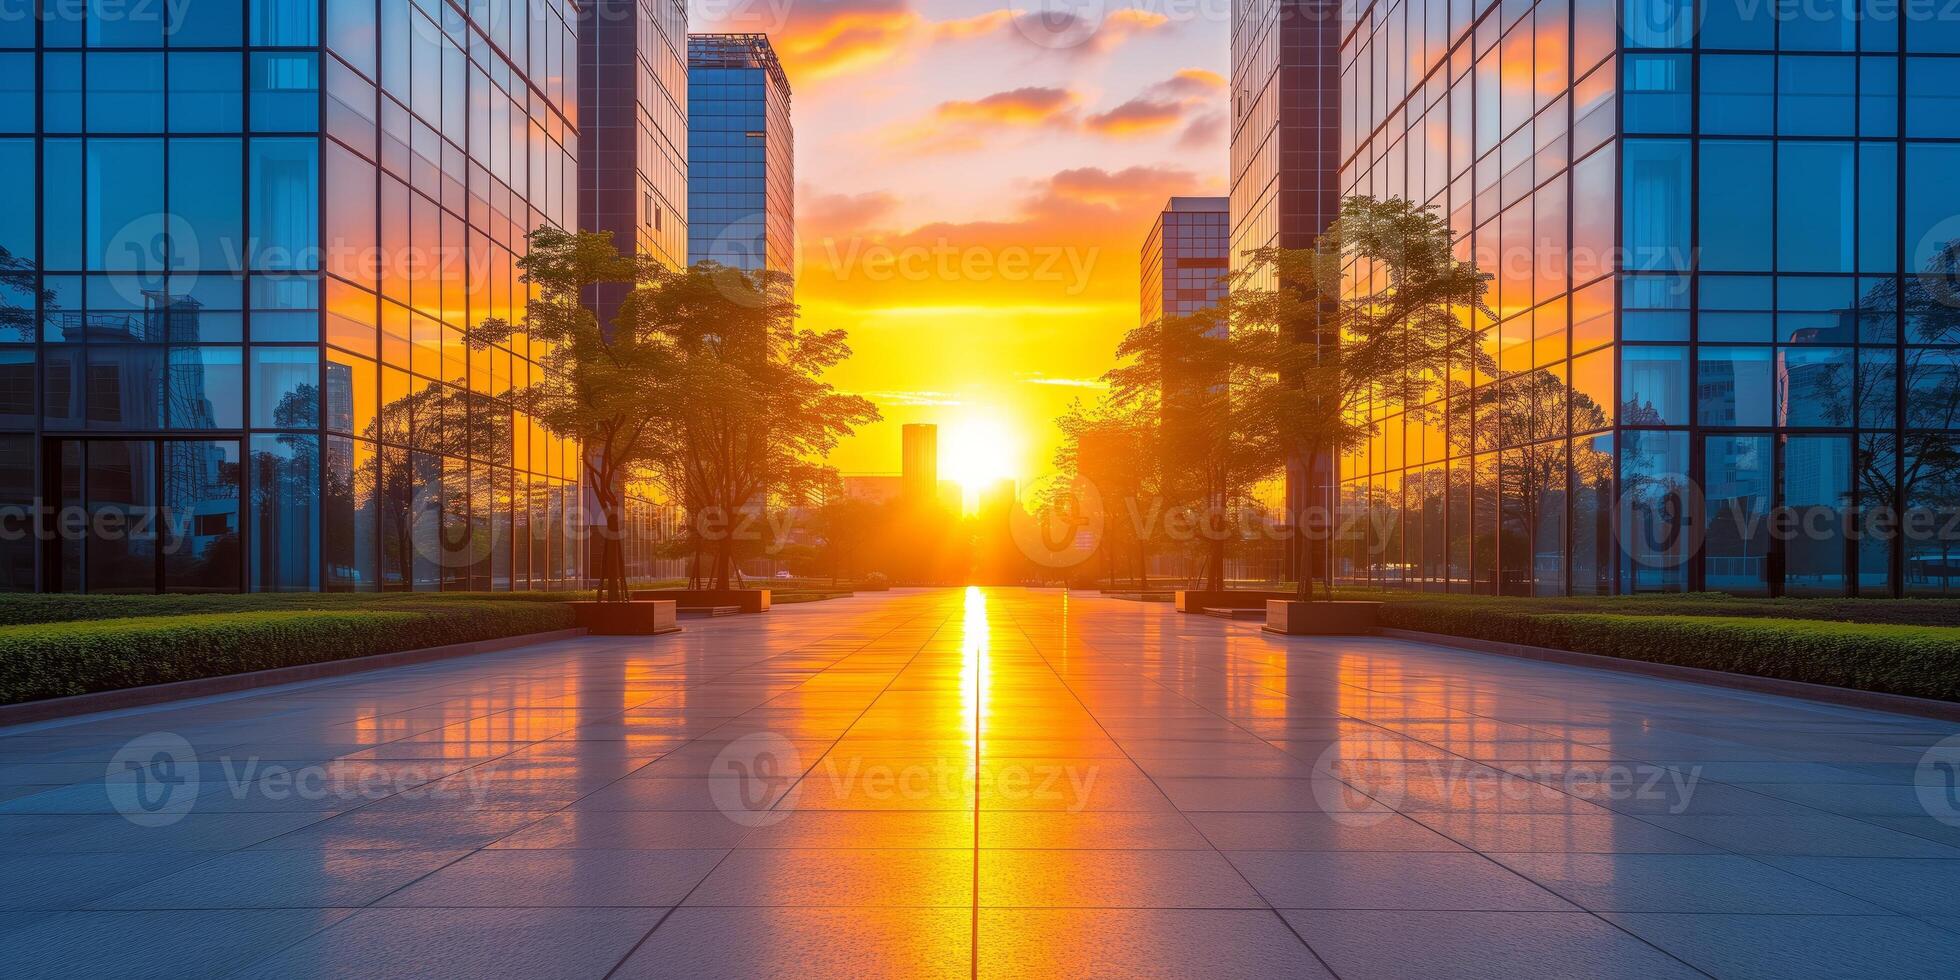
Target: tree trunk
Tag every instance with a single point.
(724, 557)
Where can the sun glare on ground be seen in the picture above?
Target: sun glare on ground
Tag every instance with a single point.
(977, 453)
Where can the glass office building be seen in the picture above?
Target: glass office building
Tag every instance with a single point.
(1285, 119)
(245, 242)
(632, 108)
(1184, 258)
(1723, 344)
(741, 151)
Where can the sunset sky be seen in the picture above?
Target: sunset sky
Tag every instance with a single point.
(974, 183)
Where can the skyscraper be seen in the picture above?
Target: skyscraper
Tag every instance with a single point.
(235, 290)
(920, 469)
(632, 78)
(1285, 91)
(1723, 242)
(1184, 258)
(1287, 107)
(741, 183)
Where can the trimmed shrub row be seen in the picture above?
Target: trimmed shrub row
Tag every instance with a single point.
(23, 608)
(1917, 660)
(55, 659)
(1904, 612)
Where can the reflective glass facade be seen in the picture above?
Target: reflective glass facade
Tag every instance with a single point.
(247, 239)
(632, 123)
(1184, 258)
(1285, 118)
(1724, 336)
(741, 151)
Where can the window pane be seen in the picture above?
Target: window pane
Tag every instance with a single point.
(285, 387)
(1592, 515)
(1932, 388)
(1654, 500)
(285, 518)
(209, 229)
(207, 23)
(206, 389)
(286, 23)
(1658, 91)
(201, 519)
(123, 387)
(121, 496)
(1736, 209)
(1814, 207)
(1654, 386)
(285, 91)
(1736, 528)
(204, 92)
(1932, 197)
(1734, 386)
(1933, 96)
(1737, 94)
(1817, 494)
(1816, 96)
(1932, 498)
(1815, 385)
(125, 205)
(16, 92)
(125, 92)
(1657, 204)
(20, 490)
(284, 204)
(349, 513)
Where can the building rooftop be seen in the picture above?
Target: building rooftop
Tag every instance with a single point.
(736, 51)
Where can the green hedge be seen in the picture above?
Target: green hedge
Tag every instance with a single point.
(21, 608)
(1903, 612)
(53, 659)
(1918, 660)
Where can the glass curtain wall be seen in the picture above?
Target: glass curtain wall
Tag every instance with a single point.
(234, 295)
(1722, 244)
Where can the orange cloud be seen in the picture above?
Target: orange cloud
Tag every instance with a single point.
(966, 124)
(824, 213)
(1027, 106)
(818, 39)
(1187, 95)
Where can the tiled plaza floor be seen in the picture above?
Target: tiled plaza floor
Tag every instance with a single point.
(991, 782)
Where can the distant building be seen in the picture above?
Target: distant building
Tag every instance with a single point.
(920, 466)
(741, 184)
(1185, 258)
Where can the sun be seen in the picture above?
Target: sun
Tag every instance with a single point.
(977, 451)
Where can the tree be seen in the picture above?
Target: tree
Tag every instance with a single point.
(1182, 371)
(608, 386)
(1114, 447)
(1369, 321)
(755, 418)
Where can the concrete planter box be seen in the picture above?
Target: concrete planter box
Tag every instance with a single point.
(636, 618)
(748, 600)
(1196, 601)
(1321, 618)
